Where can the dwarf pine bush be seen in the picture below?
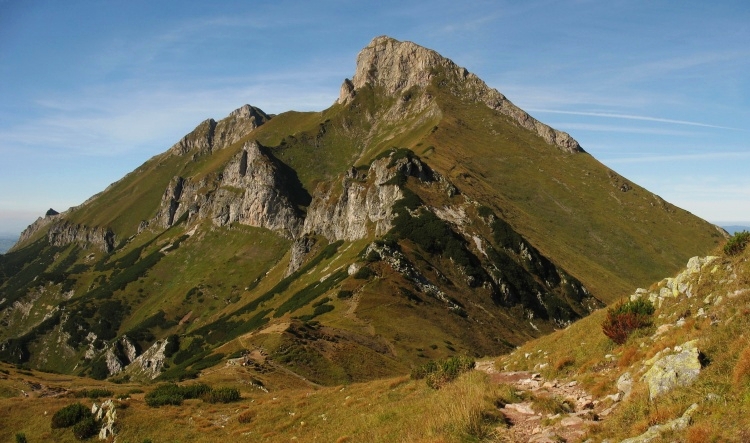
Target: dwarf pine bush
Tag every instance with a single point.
(626, 317)
(737, 243)
(438, 373)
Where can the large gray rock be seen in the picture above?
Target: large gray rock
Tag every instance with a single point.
(670, 371)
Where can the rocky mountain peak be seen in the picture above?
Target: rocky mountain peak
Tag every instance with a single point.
(397, 66)
(248, 112)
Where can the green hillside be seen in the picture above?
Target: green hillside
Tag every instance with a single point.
(421, 216)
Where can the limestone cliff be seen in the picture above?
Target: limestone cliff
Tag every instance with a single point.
(364, 199)
(63, 233)
(33, 228)
(397, 66)
(253, 189)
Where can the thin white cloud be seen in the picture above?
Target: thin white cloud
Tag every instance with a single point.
(633, 117)
(568, 126)
(677, 157)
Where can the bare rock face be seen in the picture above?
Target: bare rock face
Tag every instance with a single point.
(63, 233)
(300, 248)
(363, 201)
(252, 190)
(199, 139)
(210, 135)
(33, 228)
(150, 363)
(397, 66)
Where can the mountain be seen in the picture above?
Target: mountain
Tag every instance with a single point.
(422, 215)
(681, 376)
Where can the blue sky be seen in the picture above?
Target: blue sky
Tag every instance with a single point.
(657, 90)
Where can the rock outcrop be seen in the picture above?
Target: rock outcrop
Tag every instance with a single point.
(669, 371)
(682, 284)
(211, 135)
(397, 66)
(149, 364)
(254, 189)
(63, 233)
(33, 228)
(655, 432)
(363, 200)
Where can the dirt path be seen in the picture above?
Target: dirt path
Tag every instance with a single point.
(531, 419)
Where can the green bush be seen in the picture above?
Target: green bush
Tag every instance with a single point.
(439, 373)
(364, 273)
(93, 393)
(343, 295)
(737, 243)
(70, 415)
(221, 395)
(85, 428)
(21, 438)
(163, 399)
(625, 318)
(173, 394)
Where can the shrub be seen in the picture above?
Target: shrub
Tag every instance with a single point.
(343, 295)
(222, 395)
(70, 415)
(85, 428)
(625, 318)
(442, 372)
(173, 394)
(742, 367)
(246, 417)
(21, 438)
(737, 243)
(163, 399)
(363, 273)
(93, 393)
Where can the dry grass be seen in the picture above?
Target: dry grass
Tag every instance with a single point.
(742, 367)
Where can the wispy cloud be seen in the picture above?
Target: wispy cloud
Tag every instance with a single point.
(677, 157)
(569, 126)
(633, 117)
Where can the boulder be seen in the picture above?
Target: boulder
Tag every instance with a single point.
(655, 432)
(680, 368)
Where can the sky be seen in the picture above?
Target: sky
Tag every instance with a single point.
(659, 91)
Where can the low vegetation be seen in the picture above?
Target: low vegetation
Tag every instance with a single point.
(439, 373)
(625, 318)
(737, 243)
(173, 394)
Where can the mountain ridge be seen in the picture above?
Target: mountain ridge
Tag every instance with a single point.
(420, 194)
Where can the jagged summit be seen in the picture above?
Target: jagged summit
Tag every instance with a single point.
(396, 66)
(211, 135)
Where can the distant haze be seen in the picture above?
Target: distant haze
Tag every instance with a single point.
(734, 228)
(6, 241)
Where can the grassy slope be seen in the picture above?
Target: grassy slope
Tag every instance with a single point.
(580, 351)
(569, 206)
(398, 408)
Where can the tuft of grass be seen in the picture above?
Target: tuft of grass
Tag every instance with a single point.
(439, 373)
(742, 368)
